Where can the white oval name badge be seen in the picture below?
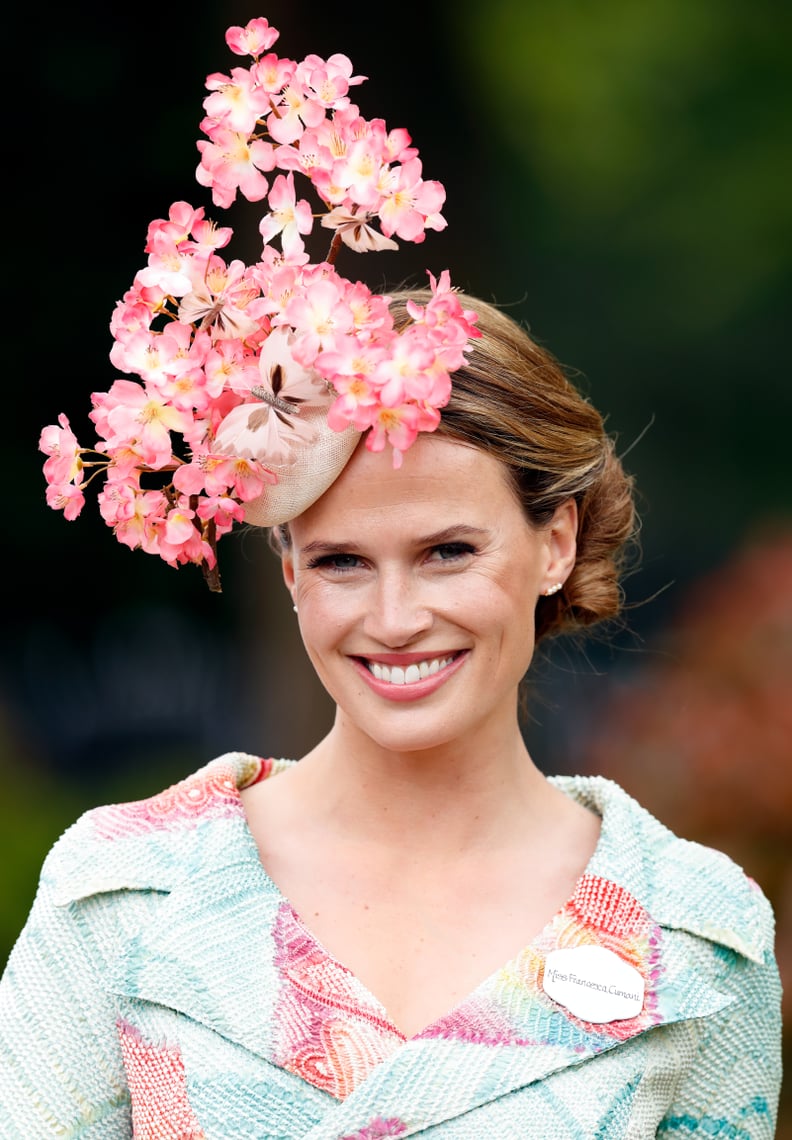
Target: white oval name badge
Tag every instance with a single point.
(593, 983)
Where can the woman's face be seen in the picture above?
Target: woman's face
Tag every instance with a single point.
(416, 591)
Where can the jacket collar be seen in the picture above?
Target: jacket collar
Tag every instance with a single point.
(683, 885)
(210, 952)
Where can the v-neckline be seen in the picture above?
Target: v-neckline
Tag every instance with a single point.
(333, 1031)
(271, 769)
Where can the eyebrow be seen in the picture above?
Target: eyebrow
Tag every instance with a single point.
(455, 533)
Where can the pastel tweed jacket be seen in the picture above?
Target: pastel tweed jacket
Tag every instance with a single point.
(164, 989)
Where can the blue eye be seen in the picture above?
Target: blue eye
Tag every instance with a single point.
(338, 562)
(449, 551)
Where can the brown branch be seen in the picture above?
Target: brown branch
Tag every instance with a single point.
(212, 577)
(211, 573)
(335, 248)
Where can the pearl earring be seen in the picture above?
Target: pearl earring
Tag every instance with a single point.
(553, 589)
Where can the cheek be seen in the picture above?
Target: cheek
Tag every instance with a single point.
(509, 600)
(510, 619)
(325, 613)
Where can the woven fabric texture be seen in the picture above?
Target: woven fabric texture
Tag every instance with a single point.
(164, 989)
(301, 483)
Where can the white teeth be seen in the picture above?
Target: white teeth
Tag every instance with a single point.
(396, 675)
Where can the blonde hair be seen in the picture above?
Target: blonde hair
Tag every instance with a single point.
(513, 401)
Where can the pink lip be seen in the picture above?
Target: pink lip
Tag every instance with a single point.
(418, 689)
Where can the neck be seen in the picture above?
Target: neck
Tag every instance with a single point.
(463, 794)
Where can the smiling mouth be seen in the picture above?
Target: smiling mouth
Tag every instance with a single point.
(408, 674)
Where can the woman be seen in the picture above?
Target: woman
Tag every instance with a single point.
(358, 944)
(411, 930)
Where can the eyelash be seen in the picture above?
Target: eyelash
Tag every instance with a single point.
(458, 549)
(331, 561)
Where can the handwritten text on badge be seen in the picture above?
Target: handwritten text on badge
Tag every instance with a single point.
(593, 983)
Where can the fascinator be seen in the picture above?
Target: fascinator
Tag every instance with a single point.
(253, 383)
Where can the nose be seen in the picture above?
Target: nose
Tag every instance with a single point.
(397, 609)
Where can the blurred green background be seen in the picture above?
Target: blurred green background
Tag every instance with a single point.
(618, 176)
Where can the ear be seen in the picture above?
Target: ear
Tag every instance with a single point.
(287, 569)
(561, 543)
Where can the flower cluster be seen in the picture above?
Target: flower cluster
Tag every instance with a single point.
(226, 354)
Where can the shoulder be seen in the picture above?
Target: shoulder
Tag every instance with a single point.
(684, 885)
(152, 843)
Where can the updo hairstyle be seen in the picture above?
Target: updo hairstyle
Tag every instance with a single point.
(513, 401)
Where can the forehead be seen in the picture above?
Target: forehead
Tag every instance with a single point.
(440, 483)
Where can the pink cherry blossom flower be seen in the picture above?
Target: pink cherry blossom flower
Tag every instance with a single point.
(67, 498)
(154, 298)
(182, 217)
(190, 478)
(360, 171)
(273, 74)
(328, 81)
(124, 462)
(449, 325)
(331, 192)
(188, 392)
(245, 477)
(277, 278)
(155, 356)
(288, 217)
(411, 204)
(256, 36)
(236, 100)
(397, 426)
(119, 500)
(223, 509)
(129, 413)
(186, 232)
(132, 513)
(319, 149)
(295, 111)
(396, 144)
(129, 318)
(230, 161)
(318, 314)
(401, 372)
(209, 237)
(220, 297)
(357, 397)
(304, 157)
(179, 526)
(178, 543)
(65, 464)
(168, 271)
(370, 312)
(352, 355)
(211, 474)
(229, 366)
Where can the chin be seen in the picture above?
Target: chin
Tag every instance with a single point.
(410, 736)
